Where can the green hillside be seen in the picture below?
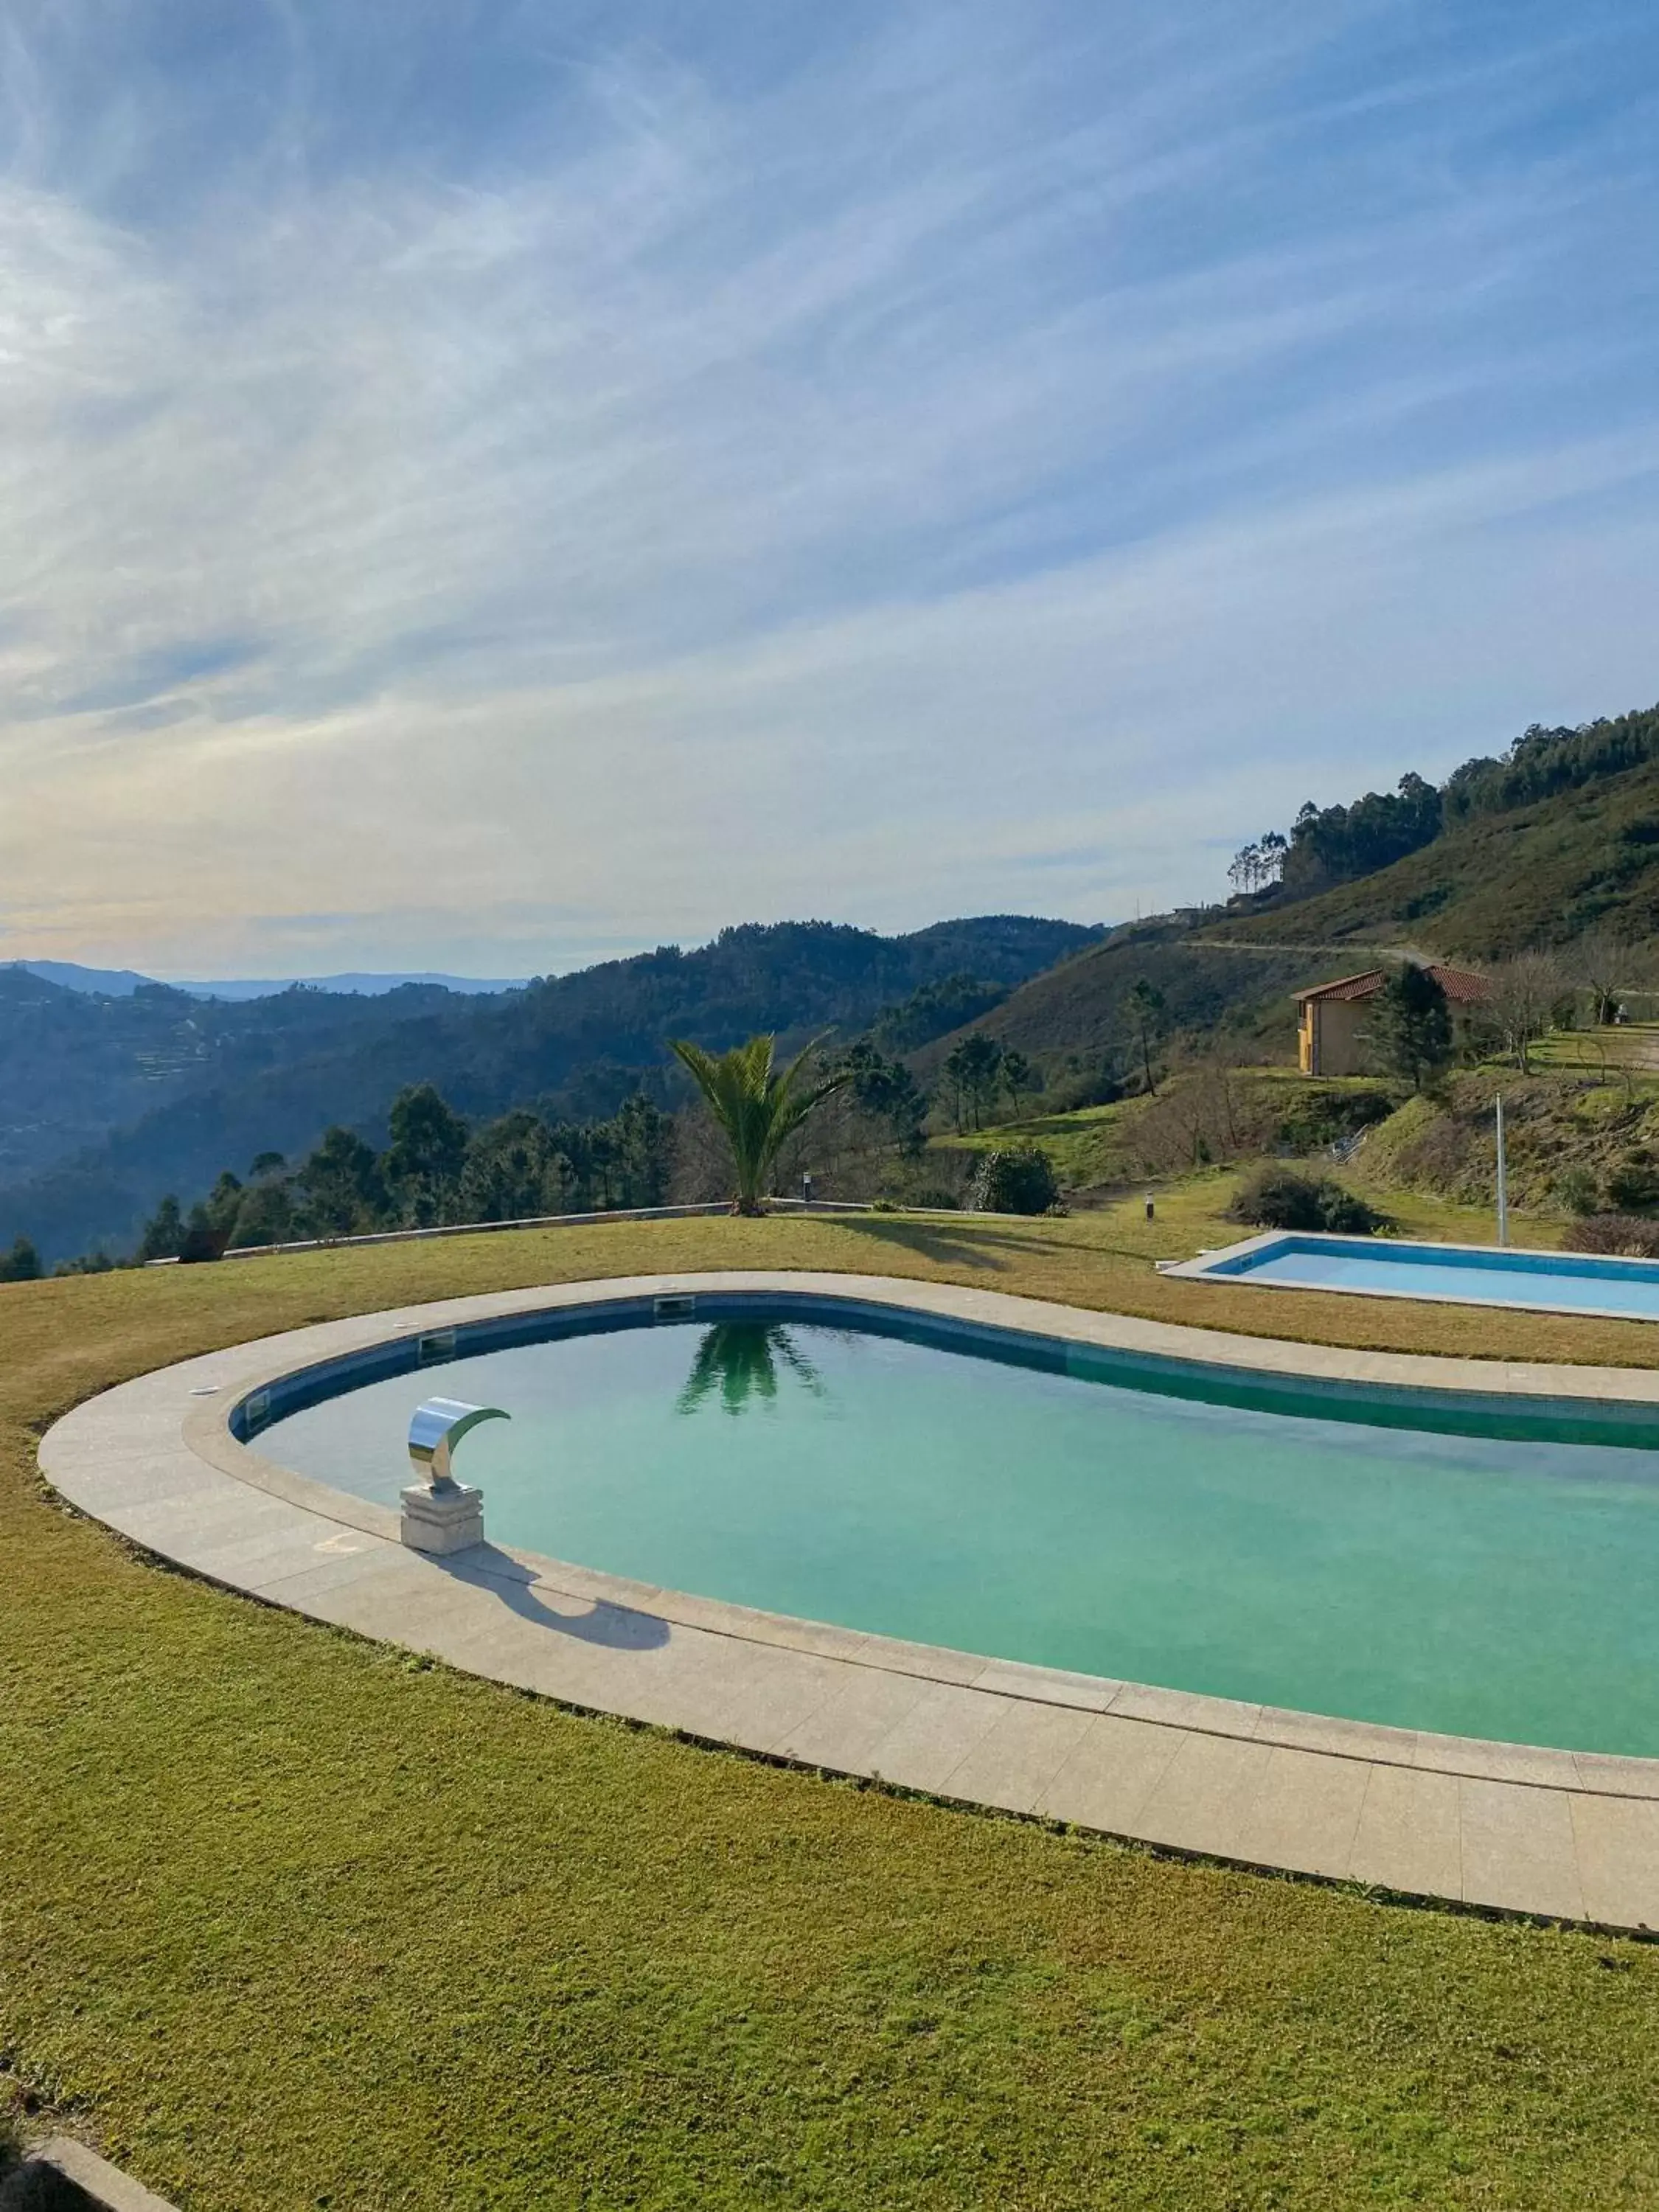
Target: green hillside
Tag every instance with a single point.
(1079, 1009)
(1559, 835)
(1537, 875)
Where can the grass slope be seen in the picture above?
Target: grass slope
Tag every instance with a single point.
(1560, 1128)
(1080, 1006)
(291, 1920)
(1537, 876)
(1147, 1137)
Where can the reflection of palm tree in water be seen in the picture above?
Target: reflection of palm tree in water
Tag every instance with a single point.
(739, 1359)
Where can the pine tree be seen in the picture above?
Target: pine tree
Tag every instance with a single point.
(1410, 1028)
(1147, 1011)
(164, 1232)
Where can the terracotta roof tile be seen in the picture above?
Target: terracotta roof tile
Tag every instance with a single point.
(1349, 986)
(1461, 987)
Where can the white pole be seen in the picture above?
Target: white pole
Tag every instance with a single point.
(1503, 1181)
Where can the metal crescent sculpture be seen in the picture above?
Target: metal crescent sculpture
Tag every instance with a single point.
(435, 1430)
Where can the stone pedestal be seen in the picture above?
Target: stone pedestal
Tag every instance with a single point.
(442, 1518)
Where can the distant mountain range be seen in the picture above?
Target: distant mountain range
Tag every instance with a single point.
(122, 982)
(110, 1100)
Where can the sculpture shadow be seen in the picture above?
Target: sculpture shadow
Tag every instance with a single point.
(618, 1627)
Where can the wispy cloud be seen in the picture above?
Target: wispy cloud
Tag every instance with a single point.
(913, 459)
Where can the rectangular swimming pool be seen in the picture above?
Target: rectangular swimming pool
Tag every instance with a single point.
(1463, 1274)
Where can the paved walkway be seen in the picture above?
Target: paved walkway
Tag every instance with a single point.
(1569, 1836)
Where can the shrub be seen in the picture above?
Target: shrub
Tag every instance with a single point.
(1013, 1179)
(1627, 1235)
(21, 1264)
(1346, 1214)
(90, 1263)
(203, 1239)
(1575, 1188)
(1634, 1183)
(1322, 1117)
(1080, 1083)
(1273, 1198)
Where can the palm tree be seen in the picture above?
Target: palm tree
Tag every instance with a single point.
(757, 1107)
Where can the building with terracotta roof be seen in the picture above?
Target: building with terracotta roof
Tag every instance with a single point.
(1330, 1018)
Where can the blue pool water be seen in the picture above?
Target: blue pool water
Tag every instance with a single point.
(1381, 1555)
(1580, 1282)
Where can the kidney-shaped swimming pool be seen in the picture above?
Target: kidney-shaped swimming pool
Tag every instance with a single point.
(1473, 1565)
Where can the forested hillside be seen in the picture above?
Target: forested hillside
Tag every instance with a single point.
(1463, 823)
(1083, 1008)
(77, 1064)
(1522, 852)
(230, 1082)
(1528, 876)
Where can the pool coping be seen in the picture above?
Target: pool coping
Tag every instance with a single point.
(1207, 1268)
(1513, 1827)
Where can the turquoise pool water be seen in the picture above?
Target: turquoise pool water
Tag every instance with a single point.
(1139, 1527)
(1578, 1282)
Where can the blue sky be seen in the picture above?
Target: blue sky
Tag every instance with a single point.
(486, 486)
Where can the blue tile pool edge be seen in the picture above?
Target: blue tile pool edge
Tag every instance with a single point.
(1499, 1414)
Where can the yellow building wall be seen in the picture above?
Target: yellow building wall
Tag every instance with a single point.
(1331, 1039)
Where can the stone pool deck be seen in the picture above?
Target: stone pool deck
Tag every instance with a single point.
(1564, 1835)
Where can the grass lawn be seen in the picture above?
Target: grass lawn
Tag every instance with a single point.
(1633, 1045)
(1192, 1214)
(1086, 1145)
(290, 1920)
